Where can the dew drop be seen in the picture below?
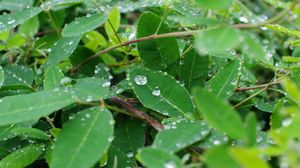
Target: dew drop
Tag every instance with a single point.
(170, 164)
(216, 142)
(106, 84)
(130, 154)
(140, 80)
(286, 122)
(156, 92)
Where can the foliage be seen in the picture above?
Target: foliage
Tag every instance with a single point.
(139, 83)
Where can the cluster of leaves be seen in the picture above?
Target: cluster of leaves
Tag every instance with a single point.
(158, 84)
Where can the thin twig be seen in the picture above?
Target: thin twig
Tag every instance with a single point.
(153, 36)
(154, 123)
(265, 87)
(241, 89)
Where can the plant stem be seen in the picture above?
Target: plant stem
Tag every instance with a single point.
(153, 122)
(241, 89)
(146, 38)
(265, 87)
(272, 20)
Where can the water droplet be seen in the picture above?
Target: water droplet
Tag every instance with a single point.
(170, 164)
(140, 80)
(156, 92)
(87, 115)
(244, 19)
(286, 122)
(130, 154)
(106, 84)
(11, 21)
(65, 80)
(216, 142)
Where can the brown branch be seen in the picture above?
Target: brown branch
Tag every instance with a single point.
(154, 123)
(241, 89)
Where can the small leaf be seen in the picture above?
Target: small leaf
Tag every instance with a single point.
(214, 4)
(9, 21)
(161, 93)
(62, 49)
(22, 157)
(218, 157)
(181, 129)
(118, 158)
(154, 158)
(52, 77)
(91, 89)
(1, 76)
(217, 40)
(215, 138)
(84, 24)
(112, 24)
(194, 68)
(18, 75)
(158, 53)
(250, 125)
(30, 27)
(248, 158)
(224, 82)
(129, 137)
(30, 133)
(217, 114)
(83, 140)
(19, 108)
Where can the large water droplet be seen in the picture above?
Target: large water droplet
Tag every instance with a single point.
(140, 80)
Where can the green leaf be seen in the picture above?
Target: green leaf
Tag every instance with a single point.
(52, 79)
(62, 49)
(248, 158)
(19, 108)
(160, 92)
(217, 40)
(91, 89)
(253, 49)
(84, 24)
(14, 5)
(181, 129)
(217, 114)
(112, 24)
(18, 75)
(218, 157)
(193, 68)
(285, 30)
(30, 133)
(215, 138)
(157, 53)
(83, 140)
(93, 40)
(118, 158)
(223, 84)
(22, 157)
(154, 158)
(30, 27)
(1, 76)
(9, 21)
(250, 125)
(129, 137)
(214, 4)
